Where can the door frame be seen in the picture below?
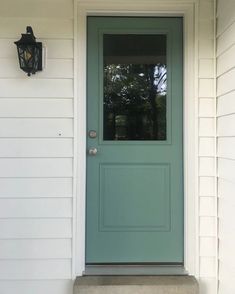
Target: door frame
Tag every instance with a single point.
(152, 8)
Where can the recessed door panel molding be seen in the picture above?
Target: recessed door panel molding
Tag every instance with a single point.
(122, 204)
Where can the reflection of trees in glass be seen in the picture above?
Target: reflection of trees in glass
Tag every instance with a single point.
(135, 101)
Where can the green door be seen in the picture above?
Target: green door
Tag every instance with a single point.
(134, 141)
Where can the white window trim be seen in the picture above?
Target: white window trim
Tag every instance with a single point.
(188, 10)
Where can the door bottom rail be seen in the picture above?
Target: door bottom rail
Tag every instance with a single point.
(135, 269)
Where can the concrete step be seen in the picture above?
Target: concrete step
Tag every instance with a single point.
(136, 285)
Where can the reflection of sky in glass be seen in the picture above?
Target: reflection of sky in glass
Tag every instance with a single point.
(160, 80)
(159, 76)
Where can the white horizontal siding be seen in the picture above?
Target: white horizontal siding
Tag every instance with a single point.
(25, 87)
(226, 246)
(225, 268)
(226, 205)
(55, 48)
(44, 28)
(226, 147)
(35, 249)
(18, 107)
(54, 68)
(35, 228)
(225, 61)
(225, 13)
(226, 142)
(226, 168)
(225, 187)
(226, 40)
(206, 149)
(226, 230)
(35, 269)
(40, 9)
(225, 104)
(58, 48)
(36, 208)
(226, 83)
(225, 126)
(37, 287)
(36, 151)
(36, 167)
(33, 124)
(36, 127)
(225, 285)
(37, 147)
(35, 187)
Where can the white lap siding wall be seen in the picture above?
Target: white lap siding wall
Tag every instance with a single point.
(206, 148)
(226, 142)
(36, 152)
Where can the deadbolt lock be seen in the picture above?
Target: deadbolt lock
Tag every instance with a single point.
(92, 134)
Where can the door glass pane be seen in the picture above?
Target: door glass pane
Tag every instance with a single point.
(135, 87)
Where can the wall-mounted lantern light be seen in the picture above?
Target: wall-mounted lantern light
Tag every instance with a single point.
(29, 52)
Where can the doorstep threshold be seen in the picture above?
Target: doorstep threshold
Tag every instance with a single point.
(136, 284)
(135, 270)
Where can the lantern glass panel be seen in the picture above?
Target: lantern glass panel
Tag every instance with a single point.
(28, 57)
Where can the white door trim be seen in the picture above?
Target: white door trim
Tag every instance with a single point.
(188, 10)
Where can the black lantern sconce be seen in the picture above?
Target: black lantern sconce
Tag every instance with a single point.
(29, 52)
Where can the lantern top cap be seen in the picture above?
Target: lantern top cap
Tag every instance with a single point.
(29, 30)
(27, 38)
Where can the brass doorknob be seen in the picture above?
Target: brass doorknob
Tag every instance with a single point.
(92, 151)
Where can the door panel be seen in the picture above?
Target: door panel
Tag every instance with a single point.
(122, 205)
(135, 179)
